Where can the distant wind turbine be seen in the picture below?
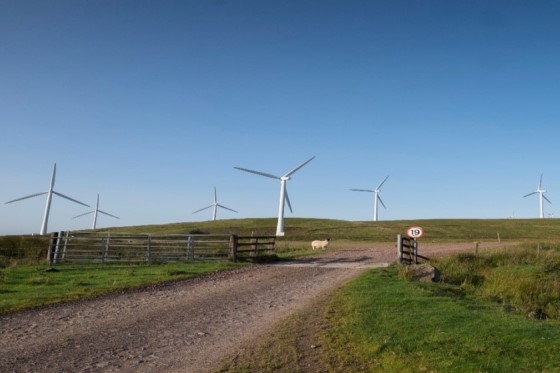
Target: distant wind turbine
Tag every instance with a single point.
(283, 192)
(94, 212)
(376, 197)
(49, 194)
(542, 197)
(215, 205)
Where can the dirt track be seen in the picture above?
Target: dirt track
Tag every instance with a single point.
(183, 327)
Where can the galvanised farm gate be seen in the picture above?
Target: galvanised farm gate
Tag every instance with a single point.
(80, 247)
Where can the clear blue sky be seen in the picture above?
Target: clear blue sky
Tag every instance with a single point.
(152, 103)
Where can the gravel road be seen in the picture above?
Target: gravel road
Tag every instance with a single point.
(186, 326)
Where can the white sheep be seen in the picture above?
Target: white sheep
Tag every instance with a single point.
(320, 244)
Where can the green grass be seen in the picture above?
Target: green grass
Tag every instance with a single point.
(526, 279)
(23, 287)
(381, 323)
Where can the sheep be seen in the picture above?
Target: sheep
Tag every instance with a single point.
(320, 244)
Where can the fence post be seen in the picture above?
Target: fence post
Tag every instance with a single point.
(106, 248)
(52, 247)
(65, 245)
(148, 259)
(56, 247)
(190, 248)
(233, 240)
(255, 245)
(415, 246)
(399, 248)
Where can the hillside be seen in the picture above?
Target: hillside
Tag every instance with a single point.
(302, 229)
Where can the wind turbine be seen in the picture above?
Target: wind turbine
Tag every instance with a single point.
(215, 205)
(49, 194)
(376, 197)
(97, 210)
(283, 192)
(542, 197)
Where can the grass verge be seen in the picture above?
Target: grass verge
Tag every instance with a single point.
(382, 323)
(24, 287)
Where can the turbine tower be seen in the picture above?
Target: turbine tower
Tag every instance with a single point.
(97, 210)
(49, 194)
(215, 205)
(376, 197)
(542, 197)
(283, 192)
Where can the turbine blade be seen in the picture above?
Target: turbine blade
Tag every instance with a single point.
(70, 199)
(106, 213)
(259, 173)
(380, 200)
(85, 213)
(215, 196)
(298, 167)
(204, 208)
(540, 182)
(362, 190)
(53, 176)
(547, 199)
(384, 180)
(530, 194)
(227, 208)
(31, 196)
(288, 202)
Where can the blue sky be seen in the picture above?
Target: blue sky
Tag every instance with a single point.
(151, 105)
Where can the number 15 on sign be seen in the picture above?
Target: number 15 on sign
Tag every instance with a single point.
(415, 232)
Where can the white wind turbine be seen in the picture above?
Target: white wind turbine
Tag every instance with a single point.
(542, 197)
(376, 197)
(49, 194)
(215, 205)
(283, 192)
(97, 210)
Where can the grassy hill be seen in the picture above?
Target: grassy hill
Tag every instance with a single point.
(302, 229)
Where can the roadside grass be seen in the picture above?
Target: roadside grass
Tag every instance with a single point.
(525, 280)
(381, 323)
(29, 286)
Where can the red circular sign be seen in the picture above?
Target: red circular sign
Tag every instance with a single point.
(415, 232)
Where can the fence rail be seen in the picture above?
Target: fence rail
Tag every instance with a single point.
(79, 247)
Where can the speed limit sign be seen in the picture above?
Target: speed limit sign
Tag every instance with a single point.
(415, 232)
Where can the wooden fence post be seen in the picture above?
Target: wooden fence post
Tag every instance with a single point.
(52, 247)
(105, 253)
(399, 248)
(65, 245)
(148, 259)
(415, 246)
(233, 240)
(190, 248)
(57, 246)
